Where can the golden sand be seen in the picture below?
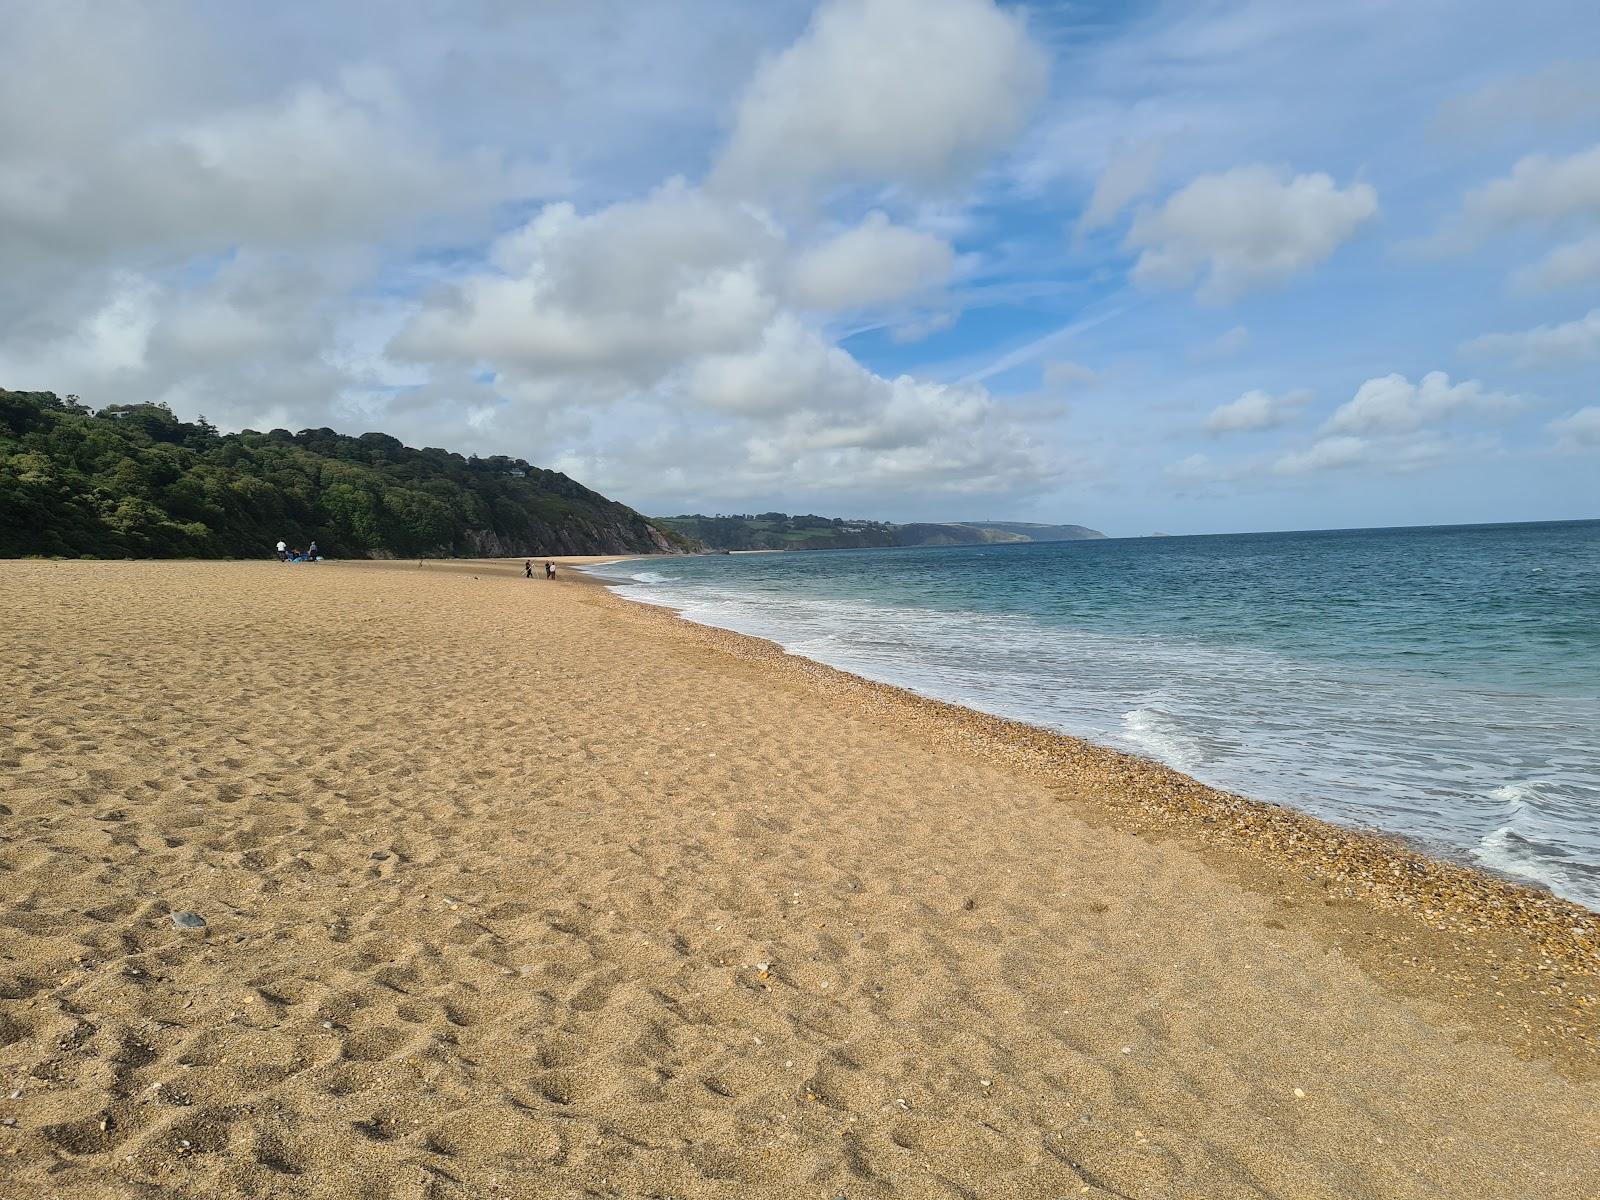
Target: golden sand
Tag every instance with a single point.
(513, 889)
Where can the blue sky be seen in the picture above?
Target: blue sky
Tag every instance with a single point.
(1184, 267)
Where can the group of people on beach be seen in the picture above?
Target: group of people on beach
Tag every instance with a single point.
(290, 555)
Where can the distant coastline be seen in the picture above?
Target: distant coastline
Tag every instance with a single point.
(781, 531)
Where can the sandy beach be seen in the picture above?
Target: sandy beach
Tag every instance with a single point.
(514, 889)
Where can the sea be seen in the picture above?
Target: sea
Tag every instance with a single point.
(1441, 684)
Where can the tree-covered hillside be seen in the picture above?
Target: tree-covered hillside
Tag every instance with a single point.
(134, 480)
(779, 531)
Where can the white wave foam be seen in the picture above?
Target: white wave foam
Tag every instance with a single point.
(1528, 846)
(1509, 853)
(1156, 732)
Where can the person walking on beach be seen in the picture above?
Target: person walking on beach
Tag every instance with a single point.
(283, 551)
(549, 569)
(311, 552)
(527, 569)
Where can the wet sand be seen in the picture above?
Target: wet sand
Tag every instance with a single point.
(511, 888)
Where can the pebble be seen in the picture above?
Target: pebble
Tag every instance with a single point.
(1299, 1093)
(188, 920)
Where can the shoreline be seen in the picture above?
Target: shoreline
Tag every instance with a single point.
(1461, 902)
(1585, 954)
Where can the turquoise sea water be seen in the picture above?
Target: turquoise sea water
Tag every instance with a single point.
(1439, 683)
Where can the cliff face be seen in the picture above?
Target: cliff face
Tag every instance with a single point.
(135, 481)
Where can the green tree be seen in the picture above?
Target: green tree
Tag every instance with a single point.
(135, 479)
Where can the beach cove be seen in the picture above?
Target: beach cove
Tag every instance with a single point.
(512, 888)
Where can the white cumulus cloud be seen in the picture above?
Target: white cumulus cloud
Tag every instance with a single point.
(1579, 429)
(918, 92)
(1256, 411)
(1542, 193)
(1573, 264)
(791, 368)
(622, 295)
(823, 418)
(875, 262)
(1539, 190)
(1247, 228)
(1390, 425)
(1325, 454)
(1544, 345)
(1391, 455)
(1393, 404)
